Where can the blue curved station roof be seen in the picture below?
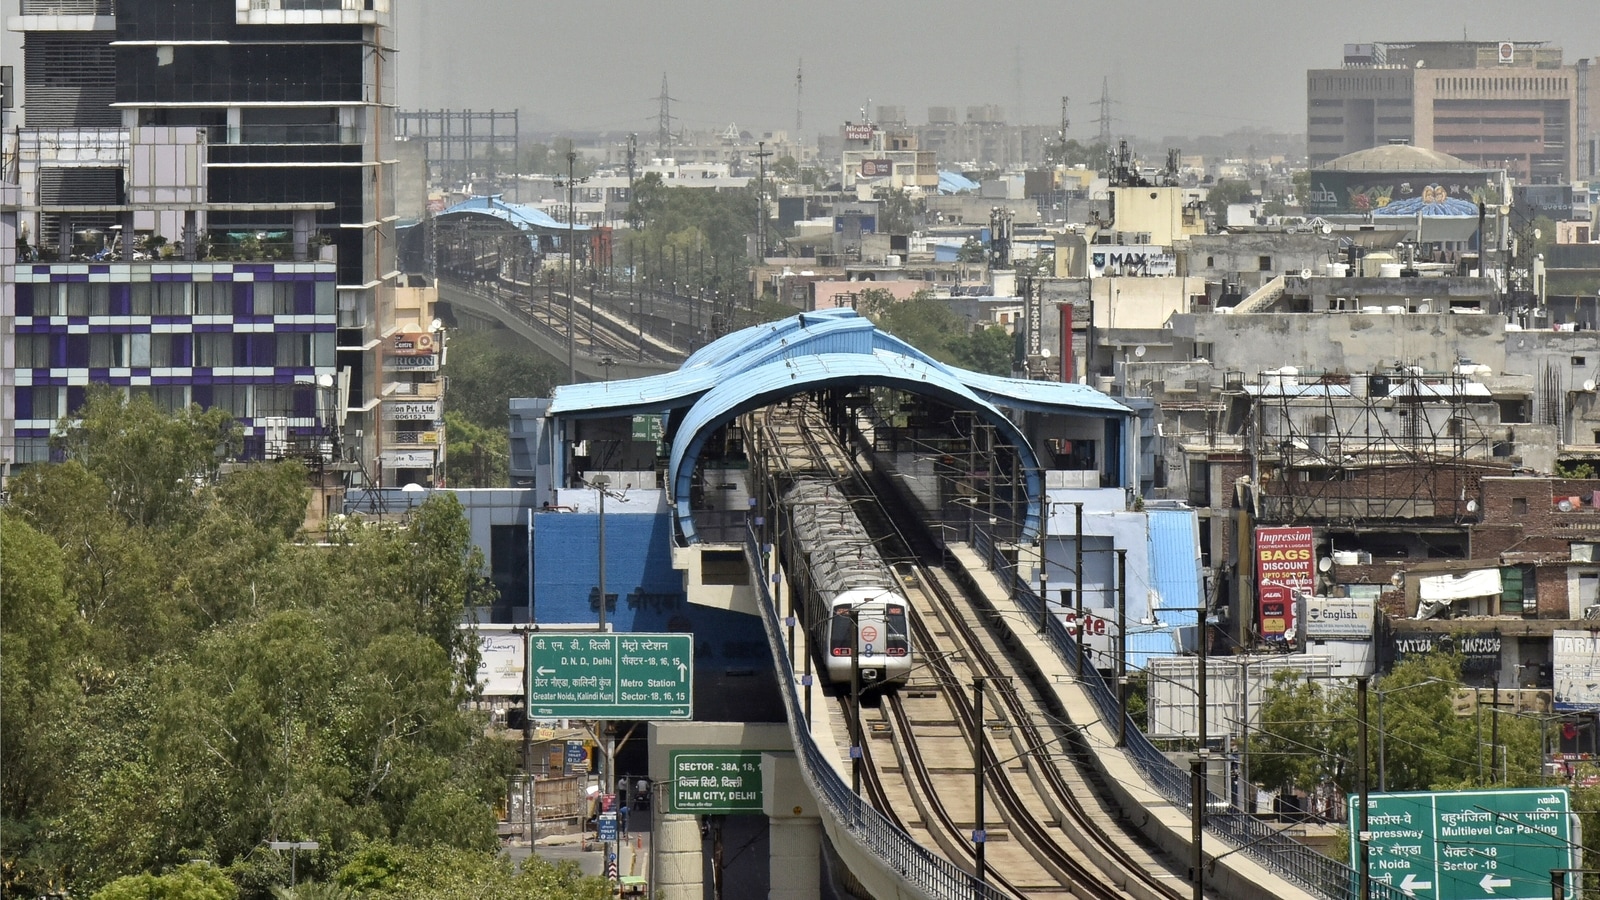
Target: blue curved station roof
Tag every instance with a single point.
(758, 366)
(525, 218)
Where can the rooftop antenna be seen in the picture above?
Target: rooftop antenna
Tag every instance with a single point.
(1063, 135)
(664, 121)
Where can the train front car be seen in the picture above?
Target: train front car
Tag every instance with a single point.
(854, 606)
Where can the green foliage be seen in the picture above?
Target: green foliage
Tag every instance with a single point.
(987, 350)
(182, 681)
(196, 881)
(929, 324)
(438, 873)
(972, 252)
(1073, 153)
(1226, 192)
(899, 214)
(1572, 468)
(485, 375)
(785, 168)
(149, 460)
(1309, 733)
(689, 236)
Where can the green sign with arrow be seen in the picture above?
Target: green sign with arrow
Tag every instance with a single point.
(1467, 845)
(611, 676)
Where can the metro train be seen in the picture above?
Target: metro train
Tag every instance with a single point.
(847, 590)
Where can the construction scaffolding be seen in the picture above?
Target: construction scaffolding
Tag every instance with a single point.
(461, 143)
(1337, 448)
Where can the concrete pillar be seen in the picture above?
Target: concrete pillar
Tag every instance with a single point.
(795, 836)
(676, 870)
(795, 860)
(304, 219)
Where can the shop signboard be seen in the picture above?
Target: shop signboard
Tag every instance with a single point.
(1284, 566)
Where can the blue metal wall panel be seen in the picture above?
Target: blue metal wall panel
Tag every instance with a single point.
(649, 592)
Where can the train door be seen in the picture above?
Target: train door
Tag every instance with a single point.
(872, 635)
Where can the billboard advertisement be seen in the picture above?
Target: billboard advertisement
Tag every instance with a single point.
(877, 168)
(1333, 618)
(1141, 260)
(1284, 565)
(1576, 664)
(409, 343)
(1337, 193)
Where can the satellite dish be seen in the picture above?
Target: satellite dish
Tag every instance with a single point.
(1305, 273)
(1139, 351)
(1324, 564)
(1588, 384)
(1472, 506)
(1564, 506)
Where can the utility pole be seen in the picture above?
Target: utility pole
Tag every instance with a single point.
(761, 210)
(799, 94)
(572, 263)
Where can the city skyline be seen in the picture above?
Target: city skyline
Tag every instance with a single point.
(1189, 73)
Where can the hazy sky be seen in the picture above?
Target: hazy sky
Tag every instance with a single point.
(1174, 67)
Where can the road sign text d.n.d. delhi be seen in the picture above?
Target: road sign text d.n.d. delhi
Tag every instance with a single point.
(1467, 845)
(611, 676)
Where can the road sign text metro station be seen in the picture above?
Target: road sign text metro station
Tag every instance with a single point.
(611, 676)
(1468, 845)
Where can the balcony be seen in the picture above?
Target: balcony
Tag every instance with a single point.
(312, 12)
(65, 15)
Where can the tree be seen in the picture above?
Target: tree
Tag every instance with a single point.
(785, 168)
(436, 873)
(989, 350)
(196, 881)
(181, 680)
(1225, 193)
(150, 460)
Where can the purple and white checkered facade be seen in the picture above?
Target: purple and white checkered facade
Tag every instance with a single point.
(253, 338)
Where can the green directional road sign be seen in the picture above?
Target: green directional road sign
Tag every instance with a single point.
(716, 781)
(1468, 845)
(611, 676)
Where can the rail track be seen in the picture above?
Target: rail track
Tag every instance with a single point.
(1054, 833)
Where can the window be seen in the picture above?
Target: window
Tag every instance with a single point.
(213, 298)
(1519, 506)
(77, 298)
(40, 402)
(161, 346)
(33, 352)
(139, 351)
(108, 350)
(1580, 361)
(232, 398)
(213, 349)
(99, 299)
(293, 350)
(274, 298)
(168, 397)
(172, 298)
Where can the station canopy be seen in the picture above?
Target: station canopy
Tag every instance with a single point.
(767, 363)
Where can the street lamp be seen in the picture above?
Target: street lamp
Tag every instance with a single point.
(600, 483)
(294, 848)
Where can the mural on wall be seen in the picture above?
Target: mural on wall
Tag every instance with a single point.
(1401, 194)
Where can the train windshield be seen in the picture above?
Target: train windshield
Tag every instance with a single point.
(896, 641)
(841, 628)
